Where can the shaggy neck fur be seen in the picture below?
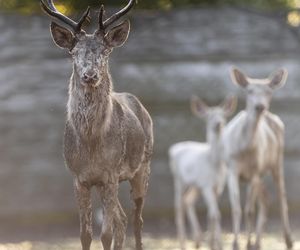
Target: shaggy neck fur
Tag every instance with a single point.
(89, 108)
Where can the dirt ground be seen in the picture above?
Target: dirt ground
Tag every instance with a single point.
(160, 235)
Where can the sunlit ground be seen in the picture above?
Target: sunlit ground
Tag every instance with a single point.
(158, 234)
(270, 242)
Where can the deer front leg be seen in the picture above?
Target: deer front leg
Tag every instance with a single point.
(234, 196)
(190, 198)
(83, 196)
(251, 197)
(278, 176)
(120, 225)
(114, 218)
(262, 213)
(214, 218)
(179, 214)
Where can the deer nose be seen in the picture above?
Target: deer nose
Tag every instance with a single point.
(90, 77)
(218, 126)
(260, 107)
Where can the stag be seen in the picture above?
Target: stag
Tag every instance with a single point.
(199, 167)
(253, 146)
(108, 136)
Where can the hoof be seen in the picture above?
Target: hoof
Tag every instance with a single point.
(216, 246)
(139, 247)
(235, 246)
(249, 245)
(288, 242)
(182, 248)
(256, 247)
(198, 241)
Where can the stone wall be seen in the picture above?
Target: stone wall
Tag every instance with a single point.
(168, 57)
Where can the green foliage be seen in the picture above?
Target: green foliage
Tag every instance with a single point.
(32, 6)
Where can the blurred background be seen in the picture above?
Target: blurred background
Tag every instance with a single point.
(176, 48)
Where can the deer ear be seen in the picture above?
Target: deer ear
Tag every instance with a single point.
(198, 107)
(229, 105)
(62, 37)
(118, 35)
(278, 78)
(238, 77)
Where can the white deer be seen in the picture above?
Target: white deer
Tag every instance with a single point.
(198, 167)
(253, 145)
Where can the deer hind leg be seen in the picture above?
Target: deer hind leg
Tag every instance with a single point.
(234, 196)
(252, 191)
(83, 196)
(190, 198)
(278, 176)
(214, 218)
(139, 186)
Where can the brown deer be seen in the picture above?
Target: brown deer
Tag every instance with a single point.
(108, 135)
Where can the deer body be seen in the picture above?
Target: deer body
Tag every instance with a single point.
(115, 144)
(108, 135)
(255, 143)
(253, 146)
(199, 167)
(198, 164)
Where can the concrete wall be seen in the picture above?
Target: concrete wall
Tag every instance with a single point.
(168, 57)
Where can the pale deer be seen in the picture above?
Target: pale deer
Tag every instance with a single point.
(253, 146)
(199, 167)
(108, 135)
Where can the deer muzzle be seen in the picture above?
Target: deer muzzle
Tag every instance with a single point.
(90, 78)
(259, 108)
(218, 127)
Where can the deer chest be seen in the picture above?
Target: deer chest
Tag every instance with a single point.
(96, 158)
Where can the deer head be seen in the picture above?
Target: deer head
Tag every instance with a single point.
(259, 91)
(215, 116)
(89, 52)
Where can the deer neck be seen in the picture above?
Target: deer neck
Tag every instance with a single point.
(214, 141)
(90, 108)
(251, 127)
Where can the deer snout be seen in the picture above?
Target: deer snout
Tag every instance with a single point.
(218, 126)
(260, 107)
(90, 77)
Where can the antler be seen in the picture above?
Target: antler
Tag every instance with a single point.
(53, 12)
(104, 24)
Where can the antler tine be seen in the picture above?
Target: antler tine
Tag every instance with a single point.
(51, 5)
(53, 12)
(119, 14)
(84, 17)
(101, 13)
